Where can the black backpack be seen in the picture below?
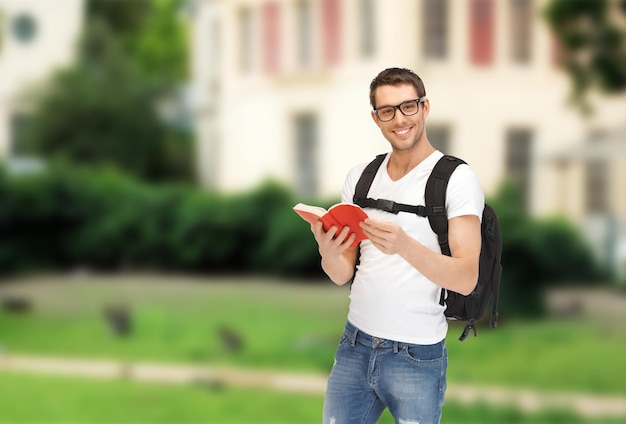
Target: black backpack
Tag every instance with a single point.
(470, 308)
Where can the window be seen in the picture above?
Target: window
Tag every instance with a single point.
(596, 182)
(245, 34)
(304, 28)
(481, 32)
(1, 29)
(520, 18)
(331, 18)
(18, 125)
(435, 28)
(213, 54)
(21, 158)
(518, 151)
(367, 34)
(271, 37)
(439, 137)
(306, 154)
(24, 27)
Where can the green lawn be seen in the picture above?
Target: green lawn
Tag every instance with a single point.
(283, 325)
(75, 400)
(82, 401)
(551, 355)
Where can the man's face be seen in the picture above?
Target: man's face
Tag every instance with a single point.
(403, 132)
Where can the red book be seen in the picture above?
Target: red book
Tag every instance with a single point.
(339, 215)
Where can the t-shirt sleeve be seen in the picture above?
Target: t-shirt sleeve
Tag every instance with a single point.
(349, 185)
(464, 195)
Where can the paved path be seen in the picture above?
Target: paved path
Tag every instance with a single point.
(586, 405)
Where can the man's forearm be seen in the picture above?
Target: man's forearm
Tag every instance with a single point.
(339, 269)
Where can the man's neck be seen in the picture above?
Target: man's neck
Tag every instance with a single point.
(402, 162)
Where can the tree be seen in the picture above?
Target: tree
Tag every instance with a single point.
(161, 47)
(123, 16)
(90, 118)
(152, 34)
(592, 36)
(103, 109)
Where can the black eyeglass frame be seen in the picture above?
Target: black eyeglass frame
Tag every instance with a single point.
(397, 107)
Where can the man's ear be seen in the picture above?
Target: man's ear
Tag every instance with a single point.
(426, 106)
(375, 118)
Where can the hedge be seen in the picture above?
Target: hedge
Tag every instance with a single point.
(68, 217)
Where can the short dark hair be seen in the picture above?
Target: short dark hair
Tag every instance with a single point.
(396, 76)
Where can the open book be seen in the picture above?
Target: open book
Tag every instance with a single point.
(339, 215)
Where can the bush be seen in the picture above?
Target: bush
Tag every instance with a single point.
(537, 254)
(28, 224)
(105, 220)
(289, 248)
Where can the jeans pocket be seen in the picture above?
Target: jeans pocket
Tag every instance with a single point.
(344, 342)
(431, 355)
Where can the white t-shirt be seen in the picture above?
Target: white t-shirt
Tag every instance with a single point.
(390, 298)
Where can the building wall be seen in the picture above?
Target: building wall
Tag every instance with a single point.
(27, 62)
(478, 91)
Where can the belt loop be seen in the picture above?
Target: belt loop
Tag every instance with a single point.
(353, 339)
(395, 347)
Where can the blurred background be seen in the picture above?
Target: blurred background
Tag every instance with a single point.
(151, 151)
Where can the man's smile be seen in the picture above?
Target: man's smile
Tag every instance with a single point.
(402, 132)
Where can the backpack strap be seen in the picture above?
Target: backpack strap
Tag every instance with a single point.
(360, 194)
(363, 186)
(435, 199)
(366, 179)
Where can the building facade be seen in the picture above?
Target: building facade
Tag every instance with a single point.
(36, 37)
(281, 91)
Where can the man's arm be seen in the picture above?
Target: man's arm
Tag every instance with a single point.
(458, 272)
(338, 258)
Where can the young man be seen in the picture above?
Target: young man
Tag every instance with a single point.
(392, 353)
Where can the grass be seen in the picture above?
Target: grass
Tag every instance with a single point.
(288, 326)
(291, 326)
(120, 401)
(552, 355)
(283, 326)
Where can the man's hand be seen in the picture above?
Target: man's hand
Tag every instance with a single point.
(389, 238)
(338, 258)
(332, 244)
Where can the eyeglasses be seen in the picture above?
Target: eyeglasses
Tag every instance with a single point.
(408, 108)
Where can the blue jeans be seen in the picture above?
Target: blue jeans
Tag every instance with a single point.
(371, 374)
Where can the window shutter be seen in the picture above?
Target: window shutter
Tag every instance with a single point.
(271, 37)
(331, 19)
(481, 27)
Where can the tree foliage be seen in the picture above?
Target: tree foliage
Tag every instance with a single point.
(103, 110)
(592, 37)
(152, 34)
(162, 45)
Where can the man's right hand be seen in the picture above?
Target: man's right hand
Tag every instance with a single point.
(338, 258)
(331, 243)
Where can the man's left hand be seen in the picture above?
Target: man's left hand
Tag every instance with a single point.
(388, 237)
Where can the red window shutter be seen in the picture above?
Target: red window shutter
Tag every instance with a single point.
(482, 31)
(557, 52)
(331, 18)
(271, 37)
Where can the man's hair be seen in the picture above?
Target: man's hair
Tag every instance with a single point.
(396, 76)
